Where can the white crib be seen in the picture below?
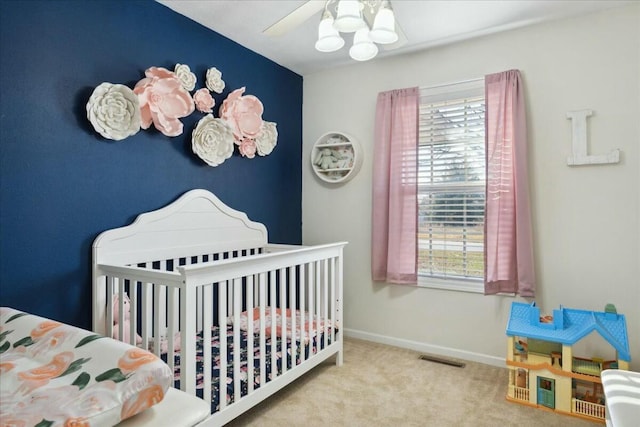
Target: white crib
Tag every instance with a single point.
(197, 271)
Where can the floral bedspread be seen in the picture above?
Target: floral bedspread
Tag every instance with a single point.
(52, 374)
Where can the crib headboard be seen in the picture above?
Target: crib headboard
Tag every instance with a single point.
(197, 222)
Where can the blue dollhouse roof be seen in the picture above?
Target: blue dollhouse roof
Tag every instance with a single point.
(569, 326)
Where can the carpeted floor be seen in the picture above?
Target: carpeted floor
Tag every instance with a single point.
(380, 385)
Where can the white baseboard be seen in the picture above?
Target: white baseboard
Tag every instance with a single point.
(427, 348)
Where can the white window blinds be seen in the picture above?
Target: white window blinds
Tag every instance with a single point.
(451, 182)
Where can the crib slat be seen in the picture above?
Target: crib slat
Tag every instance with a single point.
(175, 323)
(188, 349)
(272, 309)
(172, 321)
(340, 320)
(109, 321)
(283, 319)
(157, 292)
(303, 310)
(256, 289)
(109, 308)
(199, 293)
(207, 323)
(250, 374)
(263, 301)
(237, 346)
(133, 307)
(333, 300)
(311, 302)
(121, 314)
(163, 304)
(325, 289)
(231, 292)
(146, 313)
(199, 312)
(222, 322)
(291, 285)
(318, 285)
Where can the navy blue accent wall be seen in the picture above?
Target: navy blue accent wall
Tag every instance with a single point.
(61, 184)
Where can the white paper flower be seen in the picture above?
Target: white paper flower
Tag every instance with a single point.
(114, 111)
(212, 140)
(186, 77)
(267, 139)
(214, 80)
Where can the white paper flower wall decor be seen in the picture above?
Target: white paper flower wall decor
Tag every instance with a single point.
(214, 80)
(212, 140)
(163, 97)
(114, 111)
(186, 77)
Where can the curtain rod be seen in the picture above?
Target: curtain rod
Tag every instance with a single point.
(452, 83)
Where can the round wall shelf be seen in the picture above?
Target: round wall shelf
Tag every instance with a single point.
(336, 157)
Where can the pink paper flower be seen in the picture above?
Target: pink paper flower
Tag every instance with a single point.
(243, 113)
(163, 101)
(247, 148)
(203, 100)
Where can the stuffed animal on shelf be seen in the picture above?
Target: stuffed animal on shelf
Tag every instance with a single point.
(126, 327)
(325, 159)
(344, 157)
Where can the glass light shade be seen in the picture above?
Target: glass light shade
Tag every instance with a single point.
(329, 39)
(363, 48)
(384, 27)
(349, 18)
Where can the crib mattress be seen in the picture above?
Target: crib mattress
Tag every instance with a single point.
(311, 345)
(52, 374)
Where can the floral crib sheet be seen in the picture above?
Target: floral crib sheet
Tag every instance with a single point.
(311, 343)
(52, 374)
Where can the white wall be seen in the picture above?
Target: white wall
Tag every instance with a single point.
(586, 219)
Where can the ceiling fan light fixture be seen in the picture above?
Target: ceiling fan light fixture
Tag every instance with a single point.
(363, 48)
(384, 27)
(349, 17)
(357, 16)
(329, 39)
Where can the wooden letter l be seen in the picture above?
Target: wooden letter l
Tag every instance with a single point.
(579, 142)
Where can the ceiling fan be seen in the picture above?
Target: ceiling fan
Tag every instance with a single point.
(361, 13)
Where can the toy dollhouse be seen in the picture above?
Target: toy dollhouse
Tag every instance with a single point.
(544, 372)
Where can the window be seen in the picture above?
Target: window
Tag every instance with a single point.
(451, 186)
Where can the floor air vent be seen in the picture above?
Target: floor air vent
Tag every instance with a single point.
(449, 362)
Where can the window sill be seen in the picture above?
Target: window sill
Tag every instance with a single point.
(471, 286)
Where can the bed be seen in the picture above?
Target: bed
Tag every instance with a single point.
(236, 318)
(622, 395)
(52, 374)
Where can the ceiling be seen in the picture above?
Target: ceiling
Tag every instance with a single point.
(425, 23)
